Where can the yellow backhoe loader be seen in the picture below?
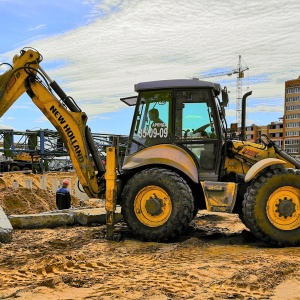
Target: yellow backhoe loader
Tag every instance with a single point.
(180, 157)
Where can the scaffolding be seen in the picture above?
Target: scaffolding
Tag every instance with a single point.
(47, 145)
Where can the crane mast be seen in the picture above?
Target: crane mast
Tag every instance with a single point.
(239, 85)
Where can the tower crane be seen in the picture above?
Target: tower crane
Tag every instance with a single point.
(239, 93)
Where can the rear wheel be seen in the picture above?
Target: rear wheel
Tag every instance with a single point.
(271, 208)
(157, 204)
(15, 168)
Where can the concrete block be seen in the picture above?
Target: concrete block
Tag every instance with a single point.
(28, 183)
(94, 215)
(79, 192)
(6, 228)
(41, 220)
(43, 182)
(15, 184)
(55, 184)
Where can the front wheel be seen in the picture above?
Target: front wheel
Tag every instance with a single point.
(271, 208)
(157, 204)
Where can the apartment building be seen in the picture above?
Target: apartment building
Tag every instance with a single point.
(286, 132)
(292, 117)
(274, 131)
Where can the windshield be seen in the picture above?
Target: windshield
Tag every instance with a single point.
(152, 118)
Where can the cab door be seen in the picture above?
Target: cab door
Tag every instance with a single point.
(195, 128)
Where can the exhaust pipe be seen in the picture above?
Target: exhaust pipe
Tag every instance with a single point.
(243, 128)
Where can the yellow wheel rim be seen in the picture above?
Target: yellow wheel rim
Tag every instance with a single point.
(283, 208)
(152, 206)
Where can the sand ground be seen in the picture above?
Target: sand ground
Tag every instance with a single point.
(216, 258)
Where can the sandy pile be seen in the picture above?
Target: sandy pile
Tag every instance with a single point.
(23, 200)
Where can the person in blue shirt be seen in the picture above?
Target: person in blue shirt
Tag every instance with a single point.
(63, 197)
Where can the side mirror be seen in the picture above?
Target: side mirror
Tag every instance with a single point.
(225, 98)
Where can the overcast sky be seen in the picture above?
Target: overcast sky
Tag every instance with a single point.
(98, 50)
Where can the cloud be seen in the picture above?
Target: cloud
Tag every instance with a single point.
(38, 27)
(250, 122)
(261, 108)
(2, 126)
(20, 107)
(265, 108)
(127, 42)
(105, 7)
(41, 119)
(104, 118)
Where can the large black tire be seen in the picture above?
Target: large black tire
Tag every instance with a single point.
(157, 204)
(15, 168)
(271, 208)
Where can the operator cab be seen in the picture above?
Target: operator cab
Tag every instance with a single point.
(182, 112)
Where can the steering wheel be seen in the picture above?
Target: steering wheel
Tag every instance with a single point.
(200, 129)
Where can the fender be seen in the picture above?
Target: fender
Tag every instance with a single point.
(163, 154)
(264, 163)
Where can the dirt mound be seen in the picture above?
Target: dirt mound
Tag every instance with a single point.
(23, 200)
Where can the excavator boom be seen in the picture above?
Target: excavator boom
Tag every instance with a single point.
(25, 76)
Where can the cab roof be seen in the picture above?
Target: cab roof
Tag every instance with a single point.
(176, 84)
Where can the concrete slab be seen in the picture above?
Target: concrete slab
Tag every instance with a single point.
(6, 228)
(81, 216)
(49, 220)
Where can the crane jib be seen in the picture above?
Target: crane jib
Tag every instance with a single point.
(69, 133)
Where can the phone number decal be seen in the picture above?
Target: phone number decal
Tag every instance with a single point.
(154, 133)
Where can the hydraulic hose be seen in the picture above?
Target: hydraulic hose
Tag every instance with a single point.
(94, 152)
(286, 156)
(61, 94)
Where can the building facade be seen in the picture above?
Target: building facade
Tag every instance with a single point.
(274, 131)
(286, 132)
(292, 117)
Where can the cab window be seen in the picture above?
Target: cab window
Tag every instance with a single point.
(152, 125)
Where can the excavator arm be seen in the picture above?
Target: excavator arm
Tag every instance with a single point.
(26, 75)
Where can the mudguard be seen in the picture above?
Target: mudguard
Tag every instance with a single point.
(163, 154)
(264, 163)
